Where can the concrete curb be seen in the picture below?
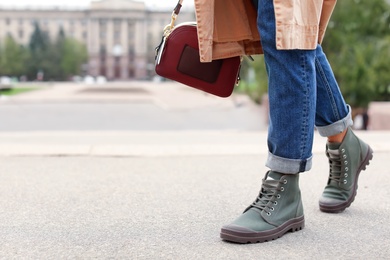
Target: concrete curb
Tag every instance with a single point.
(152, 144)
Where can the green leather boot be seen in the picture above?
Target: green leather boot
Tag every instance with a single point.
(346, 160)
(277, 210)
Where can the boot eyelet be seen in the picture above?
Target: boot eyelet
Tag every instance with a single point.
(278, 196)
(344, 156)
(343, 150)
(345, 181)
(285, 181)
(272, 209)
(345, 162)
(275, 203)
(346, 175)
(268, 213)
(346, 169)
(282, 189)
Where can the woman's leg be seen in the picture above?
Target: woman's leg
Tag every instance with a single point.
(292, 95)
(333, 115)
(348, 155)
(292, 98)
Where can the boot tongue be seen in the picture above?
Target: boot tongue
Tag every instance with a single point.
(333, 153)
(274, 175)
(334, 146)
(333, 150)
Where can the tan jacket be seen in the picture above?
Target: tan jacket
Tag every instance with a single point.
(228, 28)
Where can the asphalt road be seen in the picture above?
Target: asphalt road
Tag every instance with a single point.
(173, 208)
(123, 116)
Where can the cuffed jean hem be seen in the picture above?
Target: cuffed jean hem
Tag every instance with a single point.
(337, 127)
(288, 166)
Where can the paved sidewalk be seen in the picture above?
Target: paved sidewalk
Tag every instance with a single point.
(165, 196)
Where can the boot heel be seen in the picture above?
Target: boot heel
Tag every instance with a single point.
(298, 226)
(367, 160)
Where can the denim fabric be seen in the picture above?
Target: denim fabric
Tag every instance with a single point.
(303, 93)
(333, 116)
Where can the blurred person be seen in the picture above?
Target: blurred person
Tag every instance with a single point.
(303, 94)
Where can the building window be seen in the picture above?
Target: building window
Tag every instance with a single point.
(117, 67)
(102, 58)
(102, 22)
(102, 29)
(131, 54)
(21, 34)
(131, 32)
(117, 22)
(117, 36)
(103, 50)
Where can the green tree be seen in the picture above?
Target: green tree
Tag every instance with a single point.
(38, 47)
(57, 59)
(359, 51)
(74, 56)
(54, 57)
(12, 58)
(254, 81)
(382, 68)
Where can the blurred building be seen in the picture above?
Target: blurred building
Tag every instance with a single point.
(120, 35)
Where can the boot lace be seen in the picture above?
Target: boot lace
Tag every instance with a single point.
(269, 193)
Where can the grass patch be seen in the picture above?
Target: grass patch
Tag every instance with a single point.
(15, 91)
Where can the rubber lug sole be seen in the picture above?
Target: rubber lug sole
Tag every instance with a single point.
(292, 225)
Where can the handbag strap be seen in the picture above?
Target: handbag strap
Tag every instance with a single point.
(167, 30)
(175, 13)
(178, 7)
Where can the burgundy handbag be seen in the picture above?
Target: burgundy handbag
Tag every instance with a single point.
(177, 58)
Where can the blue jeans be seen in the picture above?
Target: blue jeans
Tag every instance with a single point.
(303, 94)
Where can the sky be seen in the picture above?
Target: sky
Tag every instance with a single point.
(81, 3)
